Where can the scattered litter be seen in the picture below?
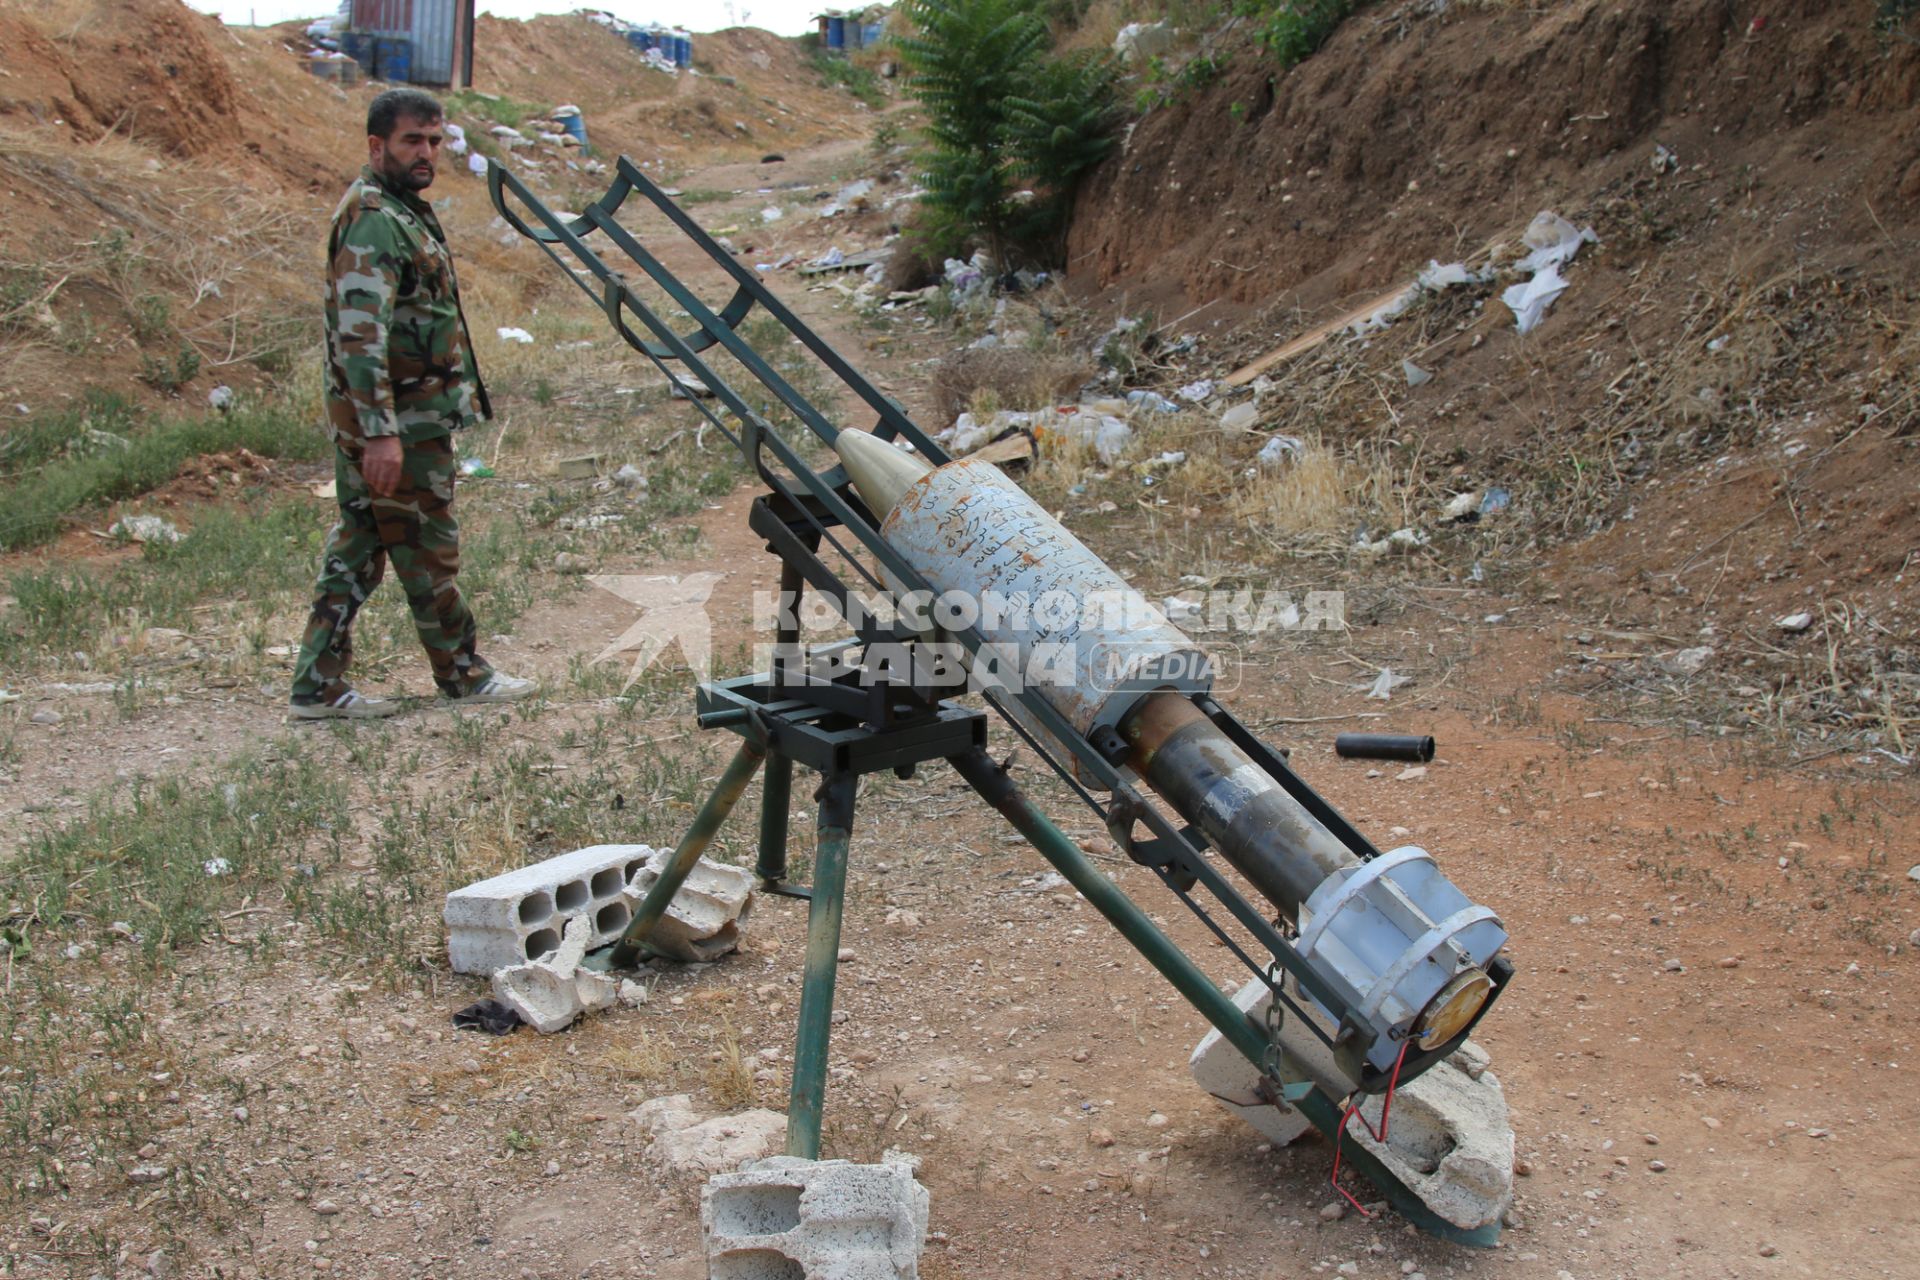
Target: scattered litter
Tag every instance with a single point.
(966, 279)
(221, 398)
(1530, 299)
(1553, 240)
(772, 213)
(1179, 610)
(327, 489)
(1195, 392)
(831, 258)
(1151, 402)
(1434, 277)
(144, 529)
(1495, 501)
(630, 477)
(1281, 450)
(1385, 683)
(1463, 506)
(1664, 161)
(1416, 376)
(475, 467)
(1400, 541)
(489, 1016)
(1794, 622)
(216, 867)
(687, 387)
(477, 166)
(1240, 417)
(1141, 41)
(509, 334)
(852, 197)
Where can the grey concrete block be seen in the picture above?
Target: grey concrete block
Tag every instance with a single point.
(702, 922)
(521, 915)
(551, 993)
(785, 1218)
(1449, 1139)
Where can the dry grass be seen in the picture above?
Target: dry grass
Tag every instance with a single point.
(1015, 378)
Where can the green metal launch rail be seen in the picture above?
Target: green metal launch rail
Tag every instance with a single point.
(825, 537)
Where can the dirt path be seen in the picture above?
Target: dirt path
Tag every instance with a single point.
(1708, 1050)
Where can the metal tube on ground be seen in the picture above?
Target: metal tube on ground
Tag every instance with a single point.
(1384, 746)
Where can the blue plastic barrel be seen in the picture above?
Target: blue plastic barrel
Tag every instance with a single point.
(683, 48)
(393, 59)
(358, 45)
(640, 40)
(836, 33)
(870, 34)
(577, 126)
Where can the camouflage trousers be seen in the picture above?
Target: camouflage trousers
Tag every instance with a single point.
(416, 529)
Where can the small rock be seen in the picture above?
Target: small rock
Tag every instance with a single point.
(1412, 773)
(1794, 622)
(144, 1173)
(1523, 1168)
(1710, 1122)
(45, 715)
(1767, 1251)
(553, 1168)
(1332, 1212)
(847, 955)
(325, 1208)
(1730, 962)
(1691, 661)
(1156, 1121)
(1652, 1139)
(572, 562)
(630, 477)
(1656, 1166)
(1100, 1137)
(1913, 872)
(159, 1266)
(1081, 1055)
(632, 994)
(1674, 966)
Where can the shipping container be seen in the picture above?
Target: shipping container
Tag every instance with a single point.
(439, 33)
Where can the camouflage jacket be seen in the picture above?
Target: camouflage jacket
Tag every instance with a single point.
(399, 361)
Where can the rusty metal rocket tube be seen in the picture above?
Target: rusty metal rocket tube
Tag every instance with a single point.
(1282, 850)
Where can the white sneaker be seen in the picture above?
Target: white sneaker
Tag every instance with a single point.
(500, 688)
(351, 705)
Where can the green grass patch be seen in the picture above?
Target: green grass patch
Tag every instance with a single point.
(61, 465)
(254, 557)
(156, 872)
(859, 81)
(490, 106)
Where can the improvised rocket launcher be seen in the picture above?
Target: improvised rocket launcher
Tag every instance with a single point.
(1378, 965)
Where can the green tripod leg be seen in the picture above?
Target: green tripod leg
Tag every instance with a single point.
(706, 824)
(808, 1098)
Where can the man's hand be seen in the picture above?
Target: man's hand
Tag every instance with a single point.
(381, 465)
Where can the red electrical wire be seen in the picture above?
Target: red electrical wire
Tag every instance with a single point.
(1353, 1109)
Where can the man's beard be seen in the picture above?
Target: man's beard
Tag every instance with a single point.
(403, 176)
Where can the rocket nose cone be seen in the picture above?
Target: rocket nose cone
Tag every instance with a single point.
(880, 472)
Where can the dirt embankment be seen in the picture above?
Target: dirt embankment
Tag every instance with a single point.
(1714, 428)
(1413, 134)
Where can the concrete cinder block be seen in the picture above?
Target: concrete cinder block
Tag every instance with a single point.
(521, 915)
(785, 1218)
(702, 922)
(1449, 1140)
(549, 994)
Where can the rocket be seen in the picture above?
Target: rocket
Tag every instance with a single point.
(1401, 943)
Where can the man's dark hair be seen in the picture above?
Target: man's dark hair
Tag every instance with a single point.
(385, 112)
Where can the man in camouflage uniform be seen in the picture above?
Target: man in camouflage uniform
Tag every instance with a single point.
(400, 380)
